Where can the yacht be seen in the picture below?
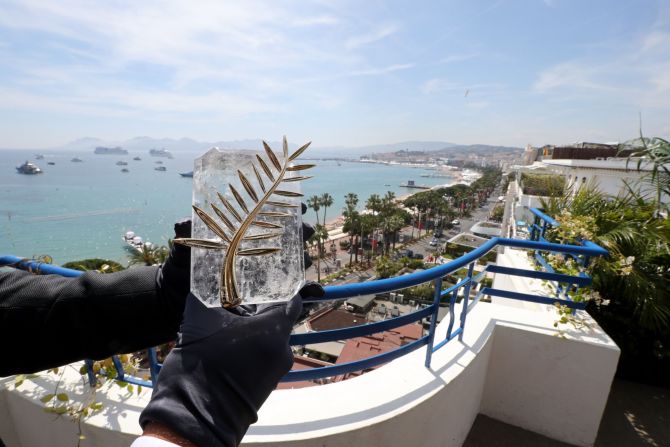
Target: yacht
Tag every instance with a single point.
(110, 150)
(28, 168)
(186, 174)
(160, 168)
(124, 170)
(121, 163)
(51, 163)
(136, 158)
(160, 153)
(77, 160)
(39, 157)
(135, 242)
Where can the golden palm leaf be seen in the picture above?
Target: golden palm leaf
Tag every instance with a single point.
(242, 220)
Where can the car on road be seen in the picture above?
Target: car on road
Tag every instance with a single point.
(417, 256)
(403, 254)
(455, 222)
(434, 242)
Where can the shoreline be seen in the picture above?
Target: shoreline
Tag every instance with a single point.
(337, 223)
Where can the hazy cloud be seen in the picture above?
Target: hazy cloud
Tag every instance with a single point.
(437, 85)
(371, 37)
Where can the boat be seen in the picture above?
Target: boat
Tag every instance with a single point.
(77, 160)
(28, 168)
(39, 157)
(160, 168)
(136, 158)
(124, 170)
(160, 153)
(118, 150)
(186, 174)
(121, 163)
(159, 162)
(51, 163)
(135, 242)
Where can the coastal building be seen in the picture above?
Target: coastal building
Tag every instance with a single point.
(604, 165)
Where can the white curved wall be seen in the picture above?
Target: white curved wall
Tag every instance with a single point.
(510, 366)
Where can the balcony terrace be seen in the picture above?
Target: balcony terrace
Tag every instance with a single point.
(511, 364)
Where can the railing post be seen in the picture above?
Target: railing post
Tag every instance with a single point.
(466, 298)
(92, 381)
(433, 320)
(153, 365)
(544, 229)
(452, 313)
(120, 373)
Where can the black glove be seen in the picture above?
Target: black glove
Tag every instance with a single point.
(307, 232)
(173, 282)
(224, 366)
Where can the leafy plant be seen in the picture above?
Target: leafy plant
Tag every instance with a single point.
(149, 255)
(101, 265)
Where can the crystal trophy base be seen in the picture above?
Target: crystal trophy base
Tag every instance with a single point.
(246, 244)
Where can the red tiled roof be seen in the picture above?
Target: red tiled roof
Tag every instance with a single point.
(300, 363)
(371, 345)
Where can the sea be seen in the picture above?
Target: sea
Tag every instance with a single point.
(79, 210)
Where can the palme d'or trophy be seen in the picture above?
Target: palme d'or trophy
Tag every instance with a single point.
(246, 239)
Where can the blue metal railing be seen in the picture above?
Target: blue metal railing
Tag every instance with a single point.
(456, 324)
(538, 229)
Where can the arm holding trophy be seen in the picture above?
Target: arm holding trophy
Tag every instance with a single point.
(247, 287)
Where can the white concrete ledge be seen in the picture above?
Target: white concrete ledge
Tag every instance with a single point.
(510, 365)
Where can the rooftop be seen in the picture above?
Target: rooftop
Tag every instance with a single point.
(335, 319)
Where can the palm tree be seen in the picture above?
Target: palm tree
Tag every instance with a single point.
(634, 277)
(314, 203)
(352, 226)
(374, 204)
(149, 255)
(351, 221)
(396, 224)
(657, 151)
(320, 234)
(326, 201)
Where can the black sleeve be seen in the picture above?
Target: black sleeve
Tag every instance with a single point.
(49, 320)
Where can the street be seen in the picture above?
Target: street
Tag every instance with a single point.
(335, 253)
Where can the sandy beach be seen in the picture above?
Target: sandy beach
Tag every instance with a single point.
(335, 225)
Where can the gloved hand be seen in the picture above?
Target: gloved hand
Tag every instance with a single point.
(224, 366)
(173, 282)
(174, 278)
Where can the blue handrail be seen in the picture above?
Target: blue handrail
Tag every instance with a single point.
(586, 250)
(402, 282)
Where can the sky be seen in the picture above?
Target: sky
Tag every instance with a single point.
(336, 72)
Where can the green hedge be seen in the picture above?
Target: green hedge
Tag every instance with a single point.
(94, 264)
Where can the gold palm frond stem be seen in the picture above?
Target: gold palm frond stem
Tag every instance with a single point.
(229, 294)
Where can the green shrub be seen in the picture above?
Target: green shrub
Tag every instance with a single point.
(101, 265)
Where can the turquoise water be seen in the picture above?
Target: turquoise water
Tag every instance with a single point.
(81, 210)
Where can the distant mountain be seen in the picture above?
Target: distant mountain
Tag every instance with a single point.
(84, 144)
(143, 144)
